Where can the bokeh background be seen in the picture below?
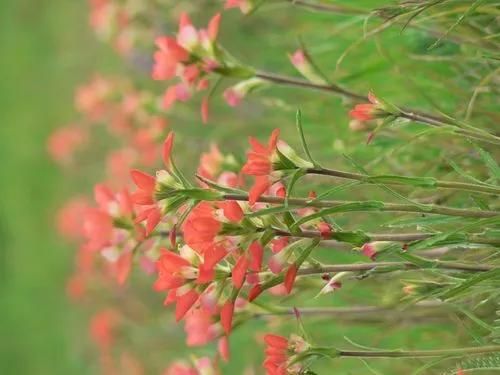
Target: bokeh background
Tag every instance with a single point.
(47, 49)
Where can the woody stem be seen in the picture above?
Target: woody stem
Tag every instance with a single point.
(380, 206)
(393, 237)
(406, 353)
(406, 113)
(351, 311)
(396, 266)
(369, 179)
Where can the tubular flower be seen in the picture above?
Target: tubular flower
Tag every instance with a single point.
(156, 193)
(371, 249)
(200, 366)
(204, 226)
(177, 275)
(245, 6)
(280, 351)
(301, 61)
(268, 163)
(260, 164)
(98, 222)
(200, 327)
(235, 94)
(367, 111)
(190, 57)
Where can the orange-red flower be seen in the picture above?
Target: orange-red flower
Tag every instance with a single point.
(147, 186)
(276, 359)
(260, 164)
(365, 111)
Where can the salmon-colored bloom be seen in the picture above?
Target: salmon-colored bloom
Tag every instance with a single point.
(276, 359)
(202, 227)
(260, 164)
(148, 186)
(365, 111)
(244, 5)
(190, 56)
(200, 327)
(101, 328)
(63, 143)
(70, 218)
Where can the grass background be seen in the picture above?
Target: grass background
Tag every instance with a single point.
(47, 49)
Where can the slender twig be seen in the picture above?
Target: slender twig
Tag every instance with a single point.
(406, 113)
(351, 311)
(442, 184)
(396, 266)
(381, 206)
(412, 353)
(393, 237)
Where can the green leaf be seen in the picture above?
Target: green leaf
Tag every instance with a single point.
(293, 180)
(201, 194)
(357, 238)
(269, 211)
(464, 174)
(235, 71)
(423, 221)
(427, 182)
(490, 163)
(180, 176)
(457, 22)
(384, 187)
(345, 207)
(216, 186)
(470, 282)
(336, 189)
(303, 139)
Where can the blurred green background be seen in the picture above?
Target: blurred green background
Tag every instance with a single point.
(47, 49)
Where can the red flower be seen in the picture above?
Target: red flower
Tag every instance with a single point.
(201, 227)
(275, 362)
(146, 188)
(260, 164)
(365, 111)
(101, 329)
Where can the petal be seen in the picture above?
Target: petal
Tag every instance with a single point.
(254, 292)
(273, 140)
(184, 304)
(167, 148)
(239, 272)
(213, 27)
(290, 277)
(143, 180)
(256, 253)
(152, 221)
(226, 316)
(276, 341)
(232, 211)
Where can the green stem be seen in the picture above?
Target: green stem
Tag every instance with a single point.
(332, 352)
(395, 266)
(385, 207)
(476, 188)
(407, 113)
(393, 237)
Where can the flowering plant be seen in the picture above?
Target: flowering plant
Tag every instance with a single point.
(284, 236)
